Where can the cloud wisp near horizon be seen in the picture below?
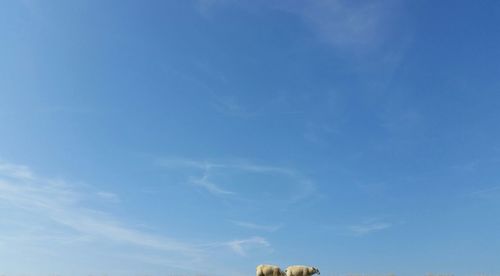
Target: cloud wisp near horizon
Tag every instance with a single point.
(64, 215)
(62, 203)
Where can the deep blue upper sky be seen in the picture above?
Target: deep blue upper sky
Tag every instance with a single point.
(208, 136)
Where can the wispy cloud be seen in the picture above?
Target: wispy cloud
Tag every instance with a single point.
(242, 246)
(346, 25)
(229, 105)
(202, 181)
(66, 217)
(210, 186)
(368, 228)
(260, 227)
(15, 171)
(362, 228)
(108, 196)
(319, 133)
(61, 203)
(295, 186)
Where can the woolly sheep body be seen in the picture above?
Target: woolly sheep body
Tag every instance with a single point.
(301, 270)
(269, 270)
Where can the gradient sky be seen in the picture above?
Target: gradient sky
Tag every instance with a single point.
(204, 137)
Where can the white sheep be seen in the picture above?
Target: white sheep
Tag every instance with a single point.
(301, 270)
(269, 270)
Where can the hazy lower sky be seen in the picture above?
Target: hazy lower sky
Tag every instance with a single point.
(205, 137)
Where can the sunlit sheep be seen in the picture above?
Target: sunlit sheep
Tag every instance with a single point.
(269, 270)
(301, 270)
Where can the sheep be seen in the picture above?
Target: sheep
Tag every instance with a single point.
(269, 270)
(301, 270)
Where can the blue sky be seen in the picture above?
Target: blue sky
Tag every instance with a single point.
(204, 137)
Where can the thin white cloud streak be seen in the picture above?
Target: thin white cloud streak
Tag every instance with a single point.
(59, 202)
(108, 196)
(363, 228)
(203, 181)
(368, 228)
(260, 227)
(15, 171)
(21, 190)
(237, 164)
(230, 106)
(242, 246)
(346, 25)
(213, 188)
(305, 187)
